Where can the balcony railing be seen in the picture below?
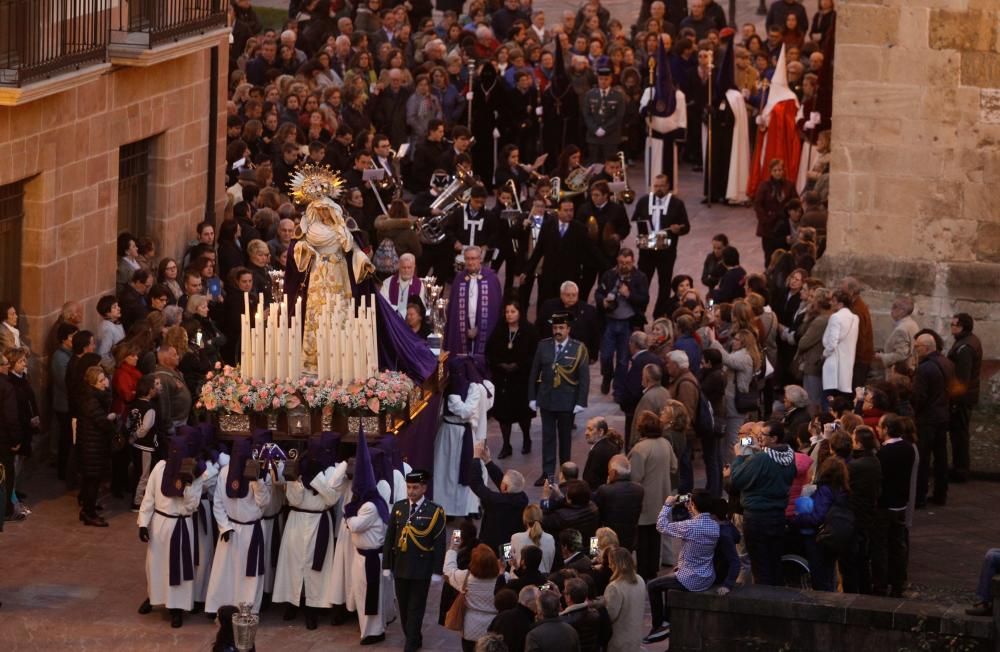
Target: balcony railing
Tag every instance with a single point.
(147, 23)
(42, 38)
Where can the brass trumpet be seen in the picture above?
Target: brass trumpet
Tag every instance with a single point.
(626, 196)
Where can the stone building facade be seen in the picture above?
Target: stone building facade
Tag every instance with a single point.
(133, 127)
(916, 158)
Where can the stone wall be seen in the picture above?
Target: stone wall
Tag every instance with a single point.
(916, 158)
(777, 619)
(66, 146)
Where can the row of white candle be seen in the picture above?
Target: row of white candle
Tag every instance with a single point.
(271, 345)
(346, 341)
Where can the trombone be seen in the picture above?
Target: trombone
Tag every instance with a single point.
(627, 195)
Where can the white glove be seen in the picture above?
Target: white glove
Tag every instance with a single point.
(339, 473)
(435, 579)
(814, 117)
(496, 133)
(533, 405)
(468, 96)
(386, 573)
(761, 122)
(538, 110)
(577, 409)
(600, 132)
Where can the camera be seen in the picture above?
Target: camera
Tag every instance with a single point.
(683, 498)
(456, 537)
(746, 441)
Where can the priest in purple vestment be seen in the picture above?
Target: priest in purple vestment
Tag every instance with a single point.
(474, 307)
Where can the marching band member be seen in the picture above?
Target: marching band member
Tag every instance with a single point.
(661, 219)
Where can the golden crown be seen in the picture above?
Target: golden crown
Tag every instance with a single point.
(312, 182)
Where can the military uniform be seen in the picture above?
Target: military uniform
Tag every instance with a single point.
(414, 551)
(558, 384)
(604, 110)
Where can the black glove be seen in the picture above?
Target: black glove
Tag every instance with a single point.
(144, 534)
(226, 535)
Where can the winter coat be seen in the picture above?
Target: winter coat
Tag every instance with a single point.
(93, 432)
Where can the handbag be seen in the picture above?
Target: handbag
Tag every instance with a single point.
(749, 401)
(455, 618)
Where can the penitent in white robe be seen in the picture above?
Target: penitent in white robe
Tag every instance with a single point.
(343, 557)
(272, 512)
(298, 542)
(367, 533)
(457, 499)
(228, 583)
(205, 534)
(161, 528)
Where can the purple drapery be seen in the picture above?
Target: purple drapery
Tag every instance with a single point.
(416, 441)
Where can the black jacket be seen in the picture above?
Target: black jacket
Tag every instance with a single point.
(676, 214)
(133, 304)
(593, 630)
(552, 634)
(501, 512)
(93, 432)
(513, 625)
(389, 115)
(638, 298)
(584, 518)
(930, 390)
(612, 229)
(865, 476)
(526, 578)
(415, 563)
(619, 504)
(75, 371)
(10, 425)
(966, 354)
(595, 471)
(632, 389)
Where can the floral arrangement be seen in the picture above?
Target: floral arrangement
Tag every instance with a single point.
(225, 391)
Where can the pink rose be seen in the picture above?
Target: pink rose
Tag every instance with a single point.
(276, 403)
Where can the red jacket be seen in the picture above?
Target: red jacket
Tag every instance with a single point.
(123, 384)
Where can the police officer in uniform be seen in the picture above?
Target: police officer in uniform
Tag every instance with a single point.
(603, 116)
(414, 551)
(558, 386)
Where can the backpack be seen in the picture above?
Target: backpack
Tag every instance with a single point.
(837, 530)
(704, 421)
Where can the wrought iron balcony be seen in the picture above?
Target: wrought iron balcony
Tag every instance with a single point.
(43, 38)
(148, 23)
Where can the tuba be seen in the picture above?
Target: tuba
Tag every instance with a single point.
(431, 229)
(626, 196)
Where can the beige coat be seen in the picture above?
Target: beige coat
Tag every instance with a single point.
(653, 463)
(653, 400)
(626, 605)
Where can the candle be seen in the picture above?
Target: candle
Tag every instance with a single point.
(258, 345)
(335, 350)
(268, 352)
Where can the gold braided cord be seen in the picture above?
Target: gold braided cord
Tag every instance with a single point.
(412, 533)
(563, 373)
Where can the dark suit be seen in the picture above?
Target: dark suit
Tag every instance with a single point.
(661, 262)
(595, 471)
(565, 257)
(413, 566)
(620, 503)
(631, 390)
(501, 511)
(558, 385)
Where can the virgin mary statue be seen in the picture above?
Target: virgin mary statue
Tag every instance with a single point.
(324, 250)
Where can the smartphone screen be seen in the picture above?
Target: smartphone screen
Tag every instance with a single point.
(505, 551)
(746, 441)
(456, 538)
(593, 546)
